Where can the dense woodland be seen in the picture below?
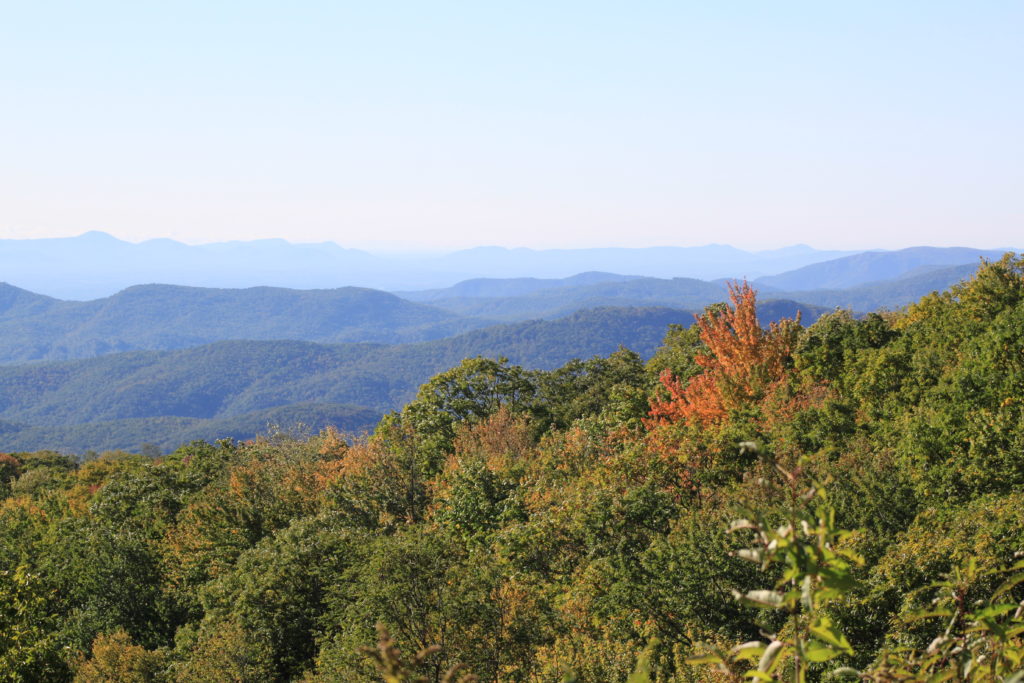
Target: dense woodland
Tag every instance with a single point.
(234, 388)
(784, 502)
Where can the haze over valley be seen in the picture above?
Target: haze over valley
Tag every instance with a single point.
(166, 363)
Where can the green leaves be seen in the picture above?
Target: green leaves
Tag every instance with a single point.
(1011, 582)
(817, 570)
(980, 644)
(829, 636)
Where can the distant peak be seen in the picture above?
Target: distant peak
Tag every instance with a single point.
(97, 236)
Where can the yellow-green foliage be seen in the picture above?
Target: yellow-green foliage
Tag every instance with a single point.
(542, 527)
(115, 659)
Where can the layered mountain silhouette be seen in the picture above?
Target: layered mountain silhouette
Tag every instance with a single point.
(95, 264)
(872, 266)
(159, 317)
(166, 363)
(34, 327)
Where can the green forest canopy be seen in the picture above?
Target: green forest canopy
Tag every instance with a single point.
(571, 524)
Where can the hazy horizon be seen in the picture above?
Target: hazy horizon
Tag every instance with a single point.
(96, 264)
(398, 251)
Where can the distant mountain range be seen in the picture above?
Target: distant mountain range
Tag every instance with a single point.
(873, 266)
(705, 263)
(556, 301)
(164, 317)
(166, 363)
(96, 264)
(887, 294)
(861, 282)
(516, 286)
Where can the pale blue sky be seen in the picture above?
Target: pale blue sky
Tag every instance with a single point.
(399, 125)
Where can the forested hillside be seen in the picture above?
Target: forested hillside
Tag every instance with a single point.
(515, 286)
(872, 266)
(161, 317)
(164, 433)
(560, 300)
(515, 299)
(165, 317)
(765, 502)
(152, 396)
(888, 294)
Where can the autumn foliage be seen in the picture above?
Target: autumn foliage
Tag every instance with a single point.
(544, 526)
(742, 364)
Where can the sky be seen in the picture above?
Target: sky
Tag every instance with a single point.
(407, 125)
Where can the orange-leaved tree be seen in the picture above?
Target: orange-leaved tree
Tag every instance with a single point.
(743, 363)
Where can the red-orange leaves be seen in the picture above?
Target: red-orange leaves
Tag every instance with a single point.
(697, 400)
(744, 362)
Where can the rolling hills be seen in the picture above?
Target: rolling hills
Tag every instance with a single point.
(511, 287)
(553, 302)
(889, 294)
(873, 266)
(167, 317)
(159, 317)
(169, 432)
(157, 396)
(163, 364)
(498, 299)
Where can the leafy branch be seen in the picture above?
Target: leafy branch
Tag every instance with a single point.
(982, 641)
(815, 571)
